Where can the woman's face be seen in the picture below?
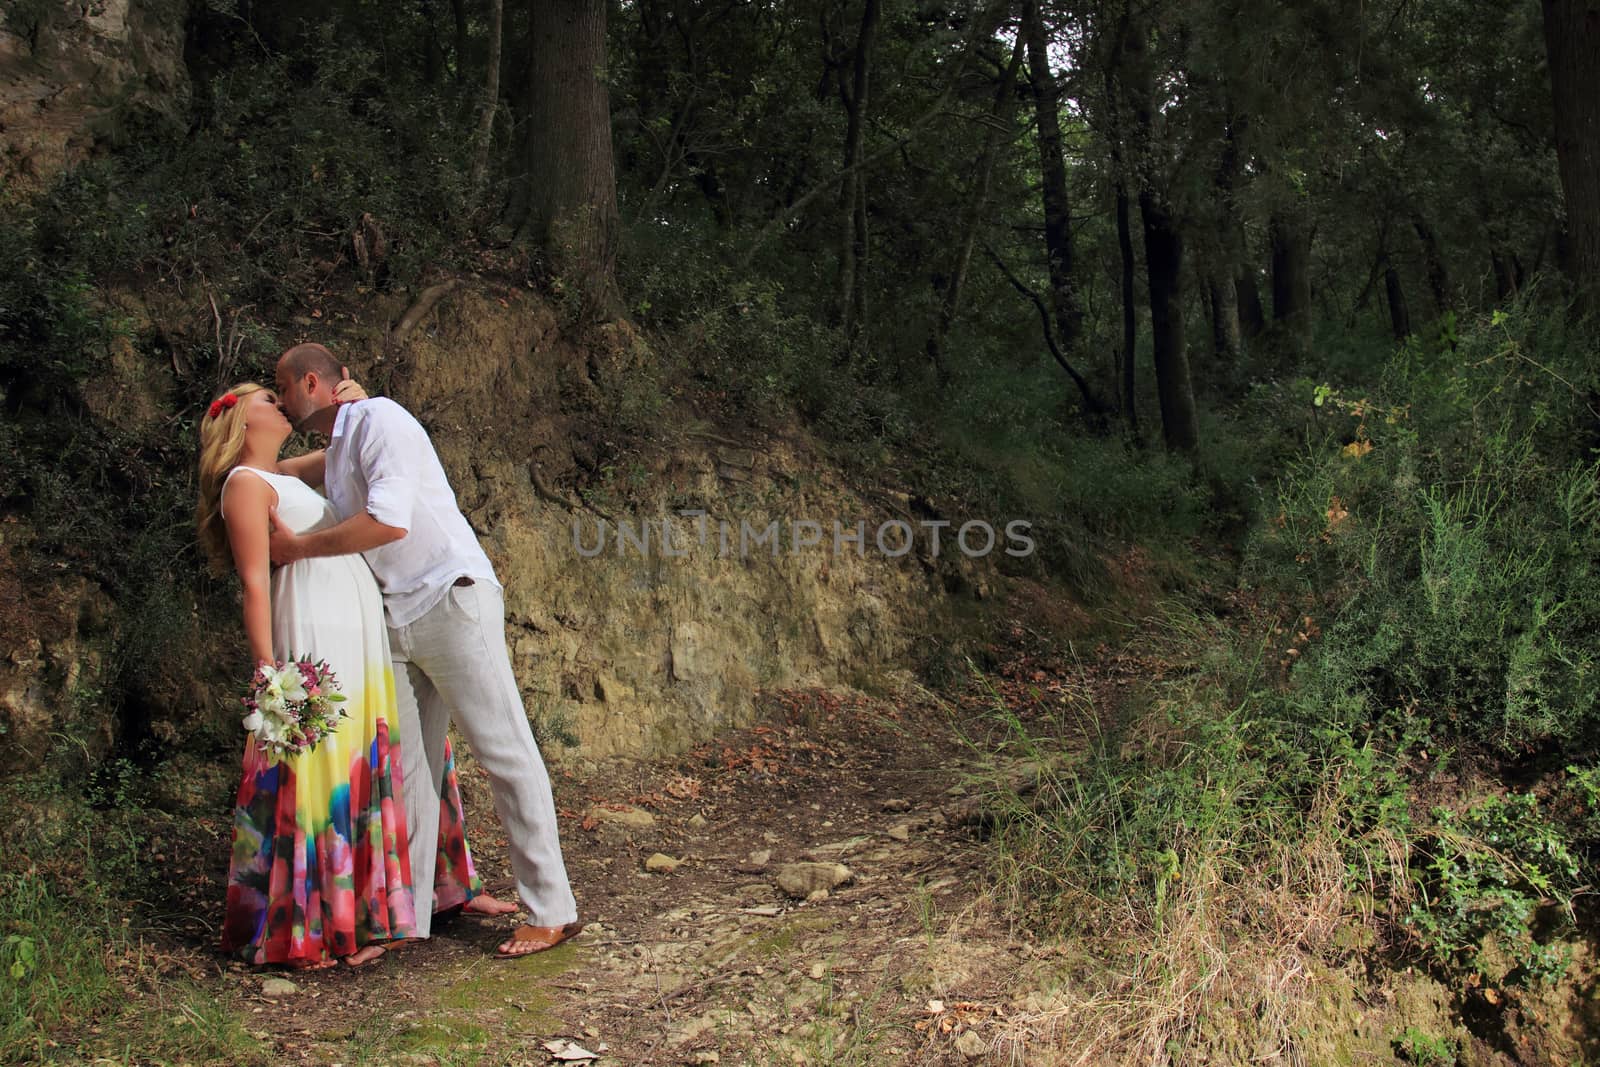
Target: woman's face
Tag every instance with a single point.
(263, 416)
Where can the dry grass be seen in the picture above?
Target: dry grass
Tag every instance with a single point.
(1214, 884)
(1224, 972)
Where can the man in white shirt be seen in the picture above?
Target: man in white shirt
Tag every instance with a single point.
(446, 633)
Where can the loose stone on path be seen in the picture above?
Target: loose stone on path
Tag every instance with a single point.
(630, 818)
(801, 880)
(970, 1045)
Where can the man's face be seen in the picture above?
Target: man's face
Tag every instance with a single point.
(295, 395)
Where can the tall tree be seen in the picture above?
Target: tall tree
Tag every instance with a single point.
(1116, 137)
(1163, 246)
(1227, 246)
(1064, 300)
(490, 103)
(853, 192)
(1572, 41)
(1438, 272)
(1291, 279)
(995, 130)
(571, 186)
(1399, 312)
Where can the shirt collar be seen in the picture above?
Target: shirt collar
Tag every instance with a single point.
(338, 421)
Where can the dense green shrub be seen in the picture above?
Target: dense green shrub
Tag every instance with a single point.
(1450, 524)
(1485, 874)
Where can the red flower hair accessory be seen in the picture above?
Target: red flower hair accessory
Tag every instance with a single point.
(227, 400)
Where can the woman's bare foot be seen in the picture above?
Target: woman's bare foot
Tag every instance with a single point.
(484, 904)
(311, 965)
(371, 954)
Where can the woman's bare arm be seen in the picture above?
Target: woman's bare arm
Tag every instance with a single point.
(246, 501)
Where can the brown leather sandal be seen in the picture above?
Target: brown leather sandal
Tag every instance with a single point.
(544, 937)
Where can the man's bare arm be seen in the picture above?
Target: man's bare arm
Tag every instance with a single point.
(356, 534)
(310, 468)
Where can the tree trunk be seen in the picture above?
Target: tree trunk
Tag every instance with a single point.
(571, 185)
(1291, 281)
(1438, 276)
(1116, 133)
(1505, 277)
(1252, 316)
(1572, 44)
(490, 103)
(459, 9)
(1227, 332)
(977, 200)
(1163, 254)
(432, 50)
(1091, 403)
(1130, 310)
(1227, 337)
(852, 195)
(1399, 313)
(1064, 299)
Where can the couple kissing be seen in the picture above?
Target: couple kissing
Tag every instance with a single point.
(352, 848)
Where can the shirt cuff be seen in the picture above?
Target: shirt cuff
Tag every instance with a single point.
(390, 505)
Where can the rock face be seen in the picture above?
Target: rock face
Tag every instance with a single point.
(634, 629)
(629, 641)
(66, 69)
(53, 657)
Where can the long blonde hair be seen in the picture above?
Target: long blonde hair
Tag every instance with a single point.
(221, 444)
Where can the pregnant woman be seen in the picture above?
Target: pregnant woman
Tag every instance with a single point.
(320, 870)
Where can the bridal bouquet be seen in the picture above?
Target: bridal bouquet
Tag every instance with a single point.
(292, 706)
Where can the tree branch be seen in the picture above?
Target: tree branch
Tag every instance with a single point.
(1089, 400)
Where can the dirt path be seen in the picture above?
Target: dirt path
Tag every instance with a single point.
(904, 960)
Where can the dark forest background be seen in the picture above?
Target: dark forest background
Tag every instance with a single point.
(1292, 298)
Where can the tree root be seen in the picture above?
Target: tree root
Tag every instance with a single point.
(416, 313)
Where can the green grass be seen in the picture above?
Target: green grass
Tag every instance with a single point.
(79, 983)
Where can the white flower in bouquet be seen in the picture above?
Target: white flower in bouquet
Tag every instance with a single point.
(292, 684)
(253, 721)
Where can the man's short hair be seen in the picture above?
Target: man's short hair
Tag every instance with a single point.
(303, 359)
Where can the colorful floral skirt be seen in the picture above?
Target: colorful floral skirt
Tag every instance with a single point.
(320, 863)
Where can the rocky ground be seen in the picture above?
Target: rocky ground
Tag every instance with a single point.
(811, 890)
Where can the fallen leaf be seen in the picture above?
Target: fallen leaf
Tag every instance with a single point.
(1336, 513)
(568, 1051)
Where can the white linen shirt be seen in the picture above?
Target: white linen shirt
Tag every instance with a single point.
(380, 461)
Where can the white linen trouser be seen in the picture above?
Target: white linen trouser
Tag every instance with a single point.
(452, 662)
